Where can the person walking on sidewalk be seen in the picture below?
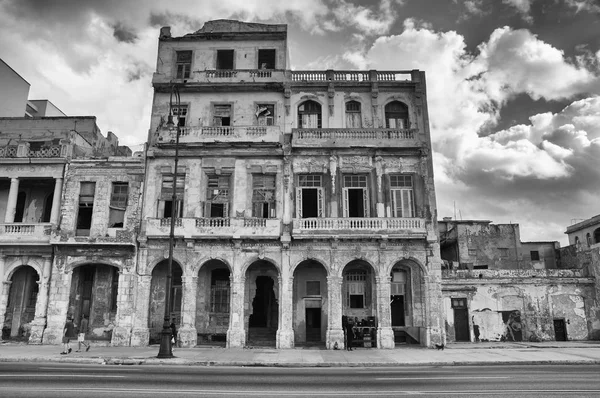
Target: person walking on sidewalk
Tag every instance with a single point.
(68, 334)
(83, 327)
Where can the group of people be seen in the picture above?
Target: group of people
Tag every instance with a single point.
(70, 332)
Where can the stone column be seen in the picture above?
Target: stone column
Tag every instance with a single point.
(60, 288)
(335, 333)
(236, 334)
(385, 334)
(285, 333)
(11, 204)
(41, 306)
(56, 201)
(121, 335)
(187, 335)
(140, 335)
(4, 291)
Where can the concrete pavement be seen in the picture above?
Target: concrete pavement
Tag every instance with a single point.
(584, 352)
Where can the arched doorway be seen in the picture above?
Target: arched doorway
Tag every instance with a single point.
(213, 302)
(310, 301)
(262, 290)
(156, 308)
(359, 302)
(407, 302)
(20, 308)
(93, 295)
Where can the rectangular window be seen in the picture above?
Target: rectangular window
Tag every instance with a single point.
(217, 196)
(87, 192)
(180, 115)
(313, 288)
(118, 204)
(266, 59)
(353, 115)
(356, 287)
(222, 115)
(183, 64)
(114, 289)
(402, 196)
(535, 255)
(503, 252)
(473, 252)
(355, 196)
(263, 196)
(224, 59)
(265, 114)
(309, 196)
(459, 303)
(165, 204)
(219, 296)
(481, 266)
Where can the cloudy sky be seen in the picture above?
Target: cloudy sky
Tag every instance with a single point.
(513, 85)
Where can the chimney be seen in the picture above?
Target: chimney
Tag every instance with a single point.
(165, 32)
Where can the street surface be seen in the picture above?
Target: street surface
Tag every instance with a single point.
(82, 380)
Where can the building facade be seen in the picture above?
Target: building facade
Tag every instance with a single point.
(497, 288)
(303, 198)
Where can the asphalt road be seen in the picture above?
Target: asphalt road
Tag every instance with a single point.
(73, 380)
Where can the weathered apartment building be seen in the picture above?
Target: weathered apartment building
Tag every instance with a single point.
(302, 197)
(497, 288)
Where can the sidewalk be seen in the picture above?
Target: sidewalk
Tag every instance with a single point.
(583, 352)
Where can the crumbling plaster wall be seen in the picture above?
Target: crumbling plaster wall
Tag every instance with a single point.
(487, 240)
(538, 304)
(303, 274)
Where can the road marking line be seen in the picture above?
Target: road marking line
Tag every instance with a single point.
(121, 368)
(443, 378)
(34, 375)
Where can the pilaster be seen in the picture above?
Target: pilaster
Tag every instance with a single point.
(187, 334)
(140, 335)
(335, 333)
(11, 204)
(385, 334)
(121, 335)
(58, 182)
(236, 334)
(285, 333)
(60, 288)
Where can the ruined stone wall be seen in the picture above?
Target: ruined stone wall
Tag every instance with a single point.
(521, 309)
(487, 240)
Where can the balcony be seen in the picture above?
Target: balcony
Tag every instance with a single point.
(197, 134)
(24, 151)
(212, 228)
(327, 227)
(352, 76)
(25, 234)
(345, 138)
(227, 76)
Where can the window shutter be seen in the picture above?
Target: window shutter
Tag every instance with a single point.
(345, 204)
(299, 202)
(366, 202)
(320, 202)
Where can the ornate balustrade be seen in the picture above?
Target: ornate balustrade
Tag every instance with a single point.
(340, 137)
(387, 226)
(511, 274)
(193, 134)
(25, 233)
(23, 151)
(215, 227)
(350, 76)
(226, 76)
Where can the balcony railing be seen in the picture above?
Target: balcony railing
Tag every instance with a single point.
(359, 225)
(513, 273)
(226, 76)
(23, 151)
(194, 134)
(350, 76)
(337, 137)
(25, 233)
(215, 227)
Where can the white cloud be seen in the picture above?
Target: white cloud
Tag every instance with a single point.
(523, 6)
(366, 20)
(584, 5)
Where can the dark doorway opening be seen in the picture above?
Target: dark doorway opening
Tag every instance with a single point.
(313, 324)
(356, 205)
(461, 324)
(266, 59)
(264, 305)
(560, 330)
(48, 207)
(20, 209)
(225, 59)
(512, 326)
(310, 203)
(397, 307)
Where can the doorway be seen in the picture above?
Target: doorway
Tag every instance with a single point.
(313, 324)
(264, 306)
(397, 308)
(560, 330)
(461, 319)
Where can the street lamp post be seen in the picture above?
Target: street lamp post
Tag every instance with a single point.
(166, 348)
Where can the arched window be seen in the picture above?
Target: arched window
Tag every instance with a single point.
(396, 115)
(588, 239)
(577, 242)
(309, 115)
(353, 115)
(597, 235)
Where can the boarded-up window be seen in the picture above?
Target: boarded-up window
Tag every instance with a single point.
(219, 291)
(87, 192)
(165, 204)
(396, 115)
(265, 114)
(118, 204)
(353, 115)
(356, 289)
(402, 195)
(217, 196)
(309, 115)
(263, 196)
(222, 115)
